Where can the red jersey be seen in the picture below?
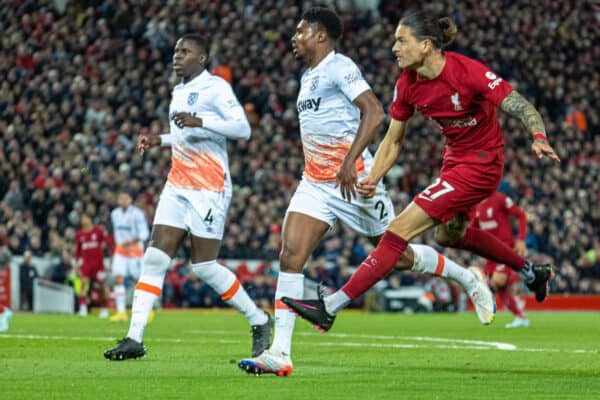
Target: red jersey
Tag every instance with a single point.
(493, 215)
(463, 99)
(89, 246)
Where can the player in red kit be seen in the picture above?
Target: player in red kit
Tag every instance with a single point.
(462, 96)
(493, 215)
(90, 242)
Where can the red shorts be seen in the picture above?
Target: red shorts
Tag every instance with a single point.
(512, 276)
(460, 187)
(90, 271)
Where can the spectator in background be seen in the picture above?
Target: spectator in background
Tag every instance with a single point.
(59, 273)
(27, 274)
(263, 290)
(195, 293)
(14, 197)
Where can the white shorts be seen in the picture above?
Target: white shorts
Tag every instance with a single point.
(200, 212)
(368, 217)
(126, 266)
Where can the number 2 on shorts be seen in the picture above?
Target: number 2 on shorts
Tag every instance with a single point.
(436, 189)
(382, 212)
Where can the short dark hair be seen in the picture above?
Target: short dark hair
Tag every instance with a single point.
(327, 19)
(199, 40)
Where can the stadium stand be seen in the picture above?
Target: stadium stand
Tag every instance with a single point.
(80, 80)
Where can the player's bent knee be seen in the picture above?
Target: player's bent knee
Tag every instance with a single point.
(290, 260)
(407, 261)
(498, 281)
(155, 262)
(448, 237)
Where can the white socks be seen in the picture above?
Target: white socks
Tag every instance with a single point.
(225, 283)
(429, 261)
(119, 293)
(288, 285)
(154, 267)
(83, 310)
(336, 302)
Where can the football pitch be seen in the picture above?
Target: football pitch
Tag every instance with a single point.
(194, 354)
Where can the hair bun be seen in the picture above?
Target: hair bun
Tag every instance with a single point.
(449, 30)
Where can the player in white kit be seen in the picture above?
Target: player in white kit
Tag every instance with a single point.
(333, 96)
(130, 231)
(204, 112)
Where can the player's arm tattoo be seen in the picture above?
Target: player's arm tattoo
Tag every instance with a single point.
(517, 106)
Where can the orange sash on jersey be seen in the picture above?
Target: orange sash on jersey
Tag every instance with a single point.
(195, 170)
(131, 251)
(323, 161)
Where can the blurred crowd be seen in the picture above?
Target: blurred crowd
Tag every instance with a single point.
(80, 79)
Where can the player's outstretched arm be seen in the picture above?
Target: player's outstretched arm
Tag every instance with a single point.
(389, 149)
(146, 140)
(372, 117)
(517, 106)
(385, 157)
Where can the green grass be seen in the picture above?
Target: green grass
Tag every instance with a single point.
(366, 356)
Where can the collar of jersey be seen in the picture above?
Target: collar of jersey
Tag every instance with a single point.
(202, 76)
(324, 61)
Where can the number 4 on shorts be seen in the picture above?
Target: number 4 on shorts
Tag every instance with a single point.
(436, 189)
(209, 217)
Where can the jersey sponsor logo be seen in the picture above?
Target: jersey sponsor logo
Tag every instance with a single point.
(488, 225)
(314, 83)
(192, 97)
(494, 78)
(309, 104)
(89, 245)
(456, 102)
(457, 122)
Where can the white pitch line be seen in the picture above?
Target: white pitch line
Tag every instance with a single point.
(462, 344)
(498, 345)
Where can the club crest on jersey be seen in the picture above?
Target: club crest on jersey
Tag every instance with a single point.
(192, 98)
(314, 83)
(456, 102)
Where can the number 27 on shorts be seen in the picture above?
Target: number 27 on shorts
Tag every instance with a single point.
(435, 190)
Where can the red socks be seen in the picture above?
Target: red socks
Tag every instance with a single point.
(510, 301)
(488, 246)
(376, 266)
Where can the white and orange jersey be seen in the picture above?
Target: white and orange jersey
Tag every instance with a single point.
(129, 225)
(199, 155)
(328, 117)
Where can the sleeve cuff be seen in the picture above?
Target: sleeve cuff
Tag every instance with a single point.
(166, 140)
